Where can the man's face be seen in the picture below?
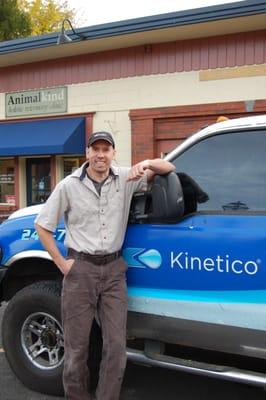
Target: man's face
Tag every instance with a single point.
(100, 155)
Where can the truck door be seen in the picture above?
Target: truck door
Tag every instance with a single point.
(216, 254)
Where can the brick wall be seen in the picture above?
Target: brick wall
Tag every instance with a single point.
(156, 131)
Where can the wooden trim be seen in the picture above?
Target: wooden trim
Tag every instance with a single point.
(53, 171)
(230, 73)
(227, 50)
(16, 188)
(189, 110)
(231, 107)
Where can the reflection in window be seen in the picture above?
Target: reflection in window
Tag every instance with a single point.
(7, 186)
(39, 170)
(231, 169)
(70, 165)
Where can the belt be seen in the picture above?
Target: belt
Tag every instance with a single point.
(98, 259)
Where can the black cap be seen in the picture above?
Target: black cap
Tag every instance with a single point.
(101, 136)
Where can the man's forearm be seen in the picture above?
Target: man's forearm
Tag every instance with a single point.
(160, 166)
(150, 167)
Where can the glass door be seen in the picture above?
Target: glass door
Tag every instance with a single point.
(38, 175)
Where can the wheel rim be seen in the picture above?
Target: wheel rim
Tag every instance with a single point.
(42, 340)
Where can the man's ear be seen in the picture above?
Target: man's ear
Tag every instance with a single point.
(87, 152)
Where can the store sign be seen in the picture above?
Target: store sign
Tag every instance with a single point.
(35, 102)
(10, 199)
(7, 178)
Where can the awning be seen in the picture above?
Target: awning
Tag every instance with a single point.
(54, 136)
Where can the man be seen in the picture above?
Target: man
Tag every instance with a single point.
(95, 202)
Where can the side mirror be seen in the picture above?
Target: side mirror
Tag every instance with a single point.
(163, 203)
(167, 199)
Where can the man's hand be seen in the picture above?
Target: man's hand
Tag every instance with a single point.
(49, 244)
(138, 170)
(66, 266)
(155, 166)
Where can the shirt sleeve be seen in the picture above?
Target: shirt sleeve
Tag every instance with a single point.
(53, 209)
(141, 185)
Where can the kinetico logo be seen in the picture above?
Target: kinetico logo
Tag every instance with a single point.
(142, 258)
(185, 261)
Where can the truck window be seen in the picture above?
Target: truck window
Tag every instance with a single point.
(231, 169)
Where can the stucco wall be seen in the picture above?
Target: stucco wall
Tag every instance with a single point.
(112, 100)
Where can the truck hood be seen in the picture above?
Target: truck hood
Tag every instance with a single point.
(32, 210)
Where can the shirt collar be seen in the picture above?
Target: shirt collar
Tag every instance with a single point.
(81, 172)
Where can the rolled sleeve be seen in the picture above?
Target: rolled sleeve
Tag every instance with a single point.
(53, 209)
(141, 185)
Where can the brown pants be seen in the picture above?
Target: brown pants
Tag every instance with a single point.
(88, 287)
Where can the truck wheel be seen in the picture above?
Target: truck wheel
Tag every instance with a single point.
(33, 337)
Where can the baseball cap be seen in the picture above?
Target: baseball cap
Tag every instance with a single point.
(101, 136)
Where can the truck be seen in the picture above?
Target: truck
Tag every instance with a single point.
(196, 253)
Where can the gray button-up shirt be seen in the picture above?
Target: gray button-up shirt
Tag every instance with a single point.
(94, 223)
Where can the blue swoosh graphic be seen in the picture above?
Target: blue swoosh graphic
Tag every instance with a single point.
(152, 258)
(230, 296)
(129, 254)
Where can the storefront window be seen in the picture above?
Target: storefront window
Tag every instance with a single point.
(70, 165)
(38, 180)
(7, 186)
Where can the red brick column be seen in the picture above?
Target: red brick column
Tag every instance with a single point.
(88, 126)
(142, 139)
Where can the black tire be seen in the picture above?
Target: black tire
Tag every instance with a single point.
(28, 311)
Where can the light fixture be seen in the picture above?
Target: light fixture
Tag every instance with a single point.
(63, 37)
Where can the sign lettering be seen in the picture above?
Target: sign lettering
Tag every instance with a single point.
(36, 102)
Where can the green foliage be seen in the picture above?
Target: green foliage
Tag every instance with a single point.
(46, 15)
(14, 22)
(19, 18)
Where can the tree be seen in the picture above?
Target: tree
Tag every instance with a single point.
(46, 15)
(14, 22)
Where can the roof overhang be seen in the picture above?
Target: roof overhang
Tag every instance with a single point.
(230, 18)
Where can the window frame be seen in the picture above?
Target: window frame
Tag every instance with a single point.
(208, 137)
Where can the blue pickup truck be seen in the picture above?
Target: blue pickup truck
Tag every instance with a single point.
(196, 250)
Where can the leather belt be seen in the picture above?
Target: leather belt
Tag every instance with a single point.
(98, 259)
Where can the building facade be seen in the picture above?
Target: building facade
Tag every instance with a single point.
(150, 81)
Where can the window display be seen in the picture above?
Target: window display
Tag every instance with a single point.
(7, 187)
